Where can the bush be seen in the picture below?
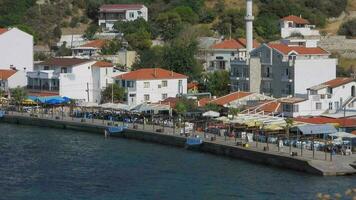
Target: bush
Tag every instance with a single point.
(348, 28)
(74, 22)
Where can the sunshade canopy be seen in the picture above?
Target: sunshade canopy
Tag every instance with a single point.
(315, 129)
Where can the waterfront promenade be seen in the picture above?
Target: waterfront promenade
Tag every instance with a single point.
(325, 163)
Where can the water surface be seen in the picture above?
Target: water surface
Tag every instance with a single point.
(40, 163)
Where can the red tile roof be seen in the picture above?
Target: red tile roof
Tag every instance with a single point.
(108, 7)
(103, 64)
(270, 107)
(353, 132)
(343, 122)
(295, 19)
(151, 74)
(243, 42)
(6, 73)
(64, 62)
(3, 30)
(234, 44)
(95, 44)
(171, 101)
(338, 82)
(285, 49)
(230, 98)
(192, 85)
(292, 100)
(203, 101)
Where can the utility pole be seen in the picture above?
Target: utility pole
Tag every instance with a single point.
(112, 93)
(88, 91)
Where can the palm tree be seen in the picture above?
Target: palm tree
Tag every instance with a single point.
(289, 124)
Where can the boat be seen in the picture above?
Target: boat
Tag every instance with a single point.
(193, 142)
(2, 114)
(114, 130)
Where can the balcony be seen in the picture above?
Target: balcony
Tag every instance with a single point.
(43, 74)
(36, 88)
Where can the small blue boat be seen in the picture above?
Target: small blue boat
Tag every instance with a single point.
(193, 141)
(2, 113)
(114, 130)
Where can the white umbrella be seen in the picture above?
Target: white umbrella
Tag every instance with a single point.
(89, 104)
(211, 114)
(114, 106)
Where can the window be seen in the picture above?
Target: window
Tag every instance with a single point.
(106, 71)
(164, 83)
(295, 108)
(318, 106)
(232, 53)
(164, 96)
(146, 97)
(330, 106)
(146, 84)
(132, 14)
(130, 84)
(221, 64)
(46, 68)
(336, 103)
(64, 70)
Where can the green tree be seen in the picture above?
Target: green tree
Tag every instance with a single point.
(212, 107)
(112, 92)
(74, 22)
(18, 95)
(218, 83)
(63, 50)
(233, 111)
(179, 56)
(140, 40)
(186, 14)
(57, 32)
(2, 93)
(348, 28)
(148, 58)
(130, 27)
(112, 47)
(169, 24)
(231, 19)
(267, 26)
(90, 31)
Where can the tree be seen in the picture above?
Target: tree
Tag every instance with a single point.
(130, 27)
(233, 111)
(111, 48)
(267, 26)
(348, 28)
(90, 31)
(231, 19)
(179, 56)
(57, 32)
(112, 92)
(2, 93)
(186, 14)
(140, 40)
(169, 24)
(63, 50)
(148, 58)
(18, 95)
(218, 83)
(212, 107)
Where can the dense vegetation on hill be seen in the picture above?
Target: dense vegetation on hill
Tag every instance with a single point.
(45, 20)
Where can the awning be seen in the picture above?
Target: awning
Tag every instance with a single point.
(115, 106)
(315, 129)
(211, 114)
(343, 135)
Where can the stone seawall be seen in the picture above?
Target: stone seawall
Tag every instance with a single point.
(261, 157)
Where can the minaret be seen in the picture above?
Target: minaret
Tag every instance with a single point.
(249, 27)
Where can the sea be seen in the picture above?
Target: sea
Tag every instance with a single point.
(50, 164)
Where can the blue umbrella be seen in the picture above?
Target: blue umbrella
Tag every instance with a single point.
(54, 101)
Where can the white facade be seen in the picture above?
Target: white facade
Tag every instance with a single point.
(289, 27)
(220, 59)
(310, 72)
(17, 79)
(322, 100)
(16, 50)
(140, 90)
(110, 14)
(83, 81)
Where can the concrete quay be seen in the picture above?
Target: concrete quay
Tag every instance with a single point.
(339, 166)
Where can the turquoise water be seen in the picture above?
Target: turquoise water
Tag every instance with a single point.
(49, 164)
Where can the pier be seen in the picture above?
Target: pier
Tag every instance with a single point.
(319, 164)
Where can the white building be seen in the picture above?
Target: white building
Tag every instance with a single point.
(16, 49)
(329, 97)
(220, 55)
(10, 78)
(111, 13)
(152, 85)
(90, 49)
(292, 24)
(282, 70)
(79, 79)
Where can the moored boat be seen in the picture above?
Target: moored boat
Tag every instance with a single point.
(193, 142)
(114, 130)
